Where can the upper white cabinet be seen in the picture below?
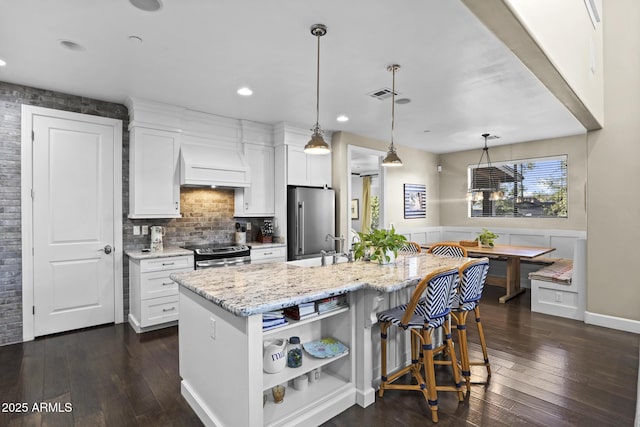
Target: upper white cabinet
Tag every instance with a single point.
(258, 198)
(154, 186)
(305, 169)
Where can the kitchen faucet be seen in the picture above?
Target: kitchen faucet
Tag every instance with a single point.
(341, 252)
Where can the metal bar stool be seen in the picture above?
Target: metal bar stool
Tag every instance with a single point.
(428, 309)
(473, 275)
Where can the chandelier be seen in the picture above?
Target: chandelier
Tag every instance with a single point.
(477, 190)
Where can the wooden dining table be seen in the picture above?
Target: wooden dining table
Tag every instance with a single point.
(513, 254)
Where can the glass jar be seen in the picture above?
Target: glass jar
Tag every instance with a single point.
(294, 353)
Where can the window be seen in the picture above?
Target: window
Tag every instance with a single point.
(532, 188)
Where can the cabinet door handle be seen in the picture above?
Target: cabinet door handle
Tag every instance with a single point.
(268, 253)
(167, 263)
(176, 205)
(168, 309)
(167, 284)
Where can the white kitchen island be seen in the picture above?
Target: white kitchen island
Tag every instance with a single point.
(221, 337)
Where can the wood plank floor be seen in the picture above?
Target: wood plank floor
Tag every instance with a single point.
(547, 371)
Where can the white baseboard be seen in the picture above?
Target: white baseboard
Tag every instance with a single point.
(618, 323)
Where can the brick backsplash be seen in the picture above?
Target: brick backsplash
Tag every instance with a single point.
(207, 217)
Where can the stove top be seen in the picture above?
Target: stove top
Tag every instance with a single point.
(217, 248)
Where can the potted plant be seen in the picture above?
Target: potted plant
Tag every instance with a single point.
(380, 245)
(486, 238)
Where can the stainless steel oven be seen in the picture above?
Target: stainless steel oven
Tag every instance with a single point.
(219, 255)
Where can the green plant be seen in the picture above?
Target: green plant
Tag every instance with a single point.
(487, 237)
(378, 243)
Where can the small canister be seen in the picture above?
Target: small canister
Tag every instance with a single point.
(294, 353)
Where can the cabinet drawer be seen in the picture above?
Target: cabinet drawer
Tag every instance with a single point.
(157, 284)
(268, 254)
(166, 263)
(159, 310)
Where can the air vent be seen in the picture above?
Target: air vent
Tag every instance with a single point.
(381, 94)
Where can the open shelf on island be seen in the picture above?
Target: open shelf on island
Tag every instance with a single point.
(309, 363)
(298, 401)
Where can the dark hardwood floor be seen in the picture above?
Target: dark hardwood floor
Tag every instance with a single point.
(547, 371)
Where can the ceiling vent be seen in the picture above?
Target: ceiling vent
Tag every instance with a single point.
(382, 94)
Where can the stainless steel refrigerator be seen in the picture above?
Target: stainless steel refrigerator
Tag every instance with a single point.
(311, 214)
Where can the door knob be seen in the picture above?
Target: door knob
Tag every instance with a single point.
(107, 249)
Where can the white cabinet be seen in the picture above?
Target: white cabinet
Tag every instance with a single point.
(306, 169)
(153, 296)
(269, 254)
(258, 199)
(154, 186)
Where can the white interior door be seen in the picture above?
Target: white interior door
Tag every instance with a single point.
(73, 224)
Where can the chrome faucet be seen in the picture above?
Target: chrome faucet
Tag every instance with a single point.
(341, 252)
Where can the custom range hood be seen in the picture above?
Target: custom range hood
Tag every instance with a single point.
(205, 165)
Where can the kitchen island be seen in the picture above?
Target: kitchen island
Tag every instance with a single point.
(221, 337)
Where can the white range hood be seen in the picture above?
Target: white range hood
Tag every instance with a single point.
(204, 165)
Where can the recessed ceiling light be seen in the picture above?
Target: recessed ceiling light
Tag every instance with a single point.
(135, 39)
(2, 63)
(71, 45)
(403, 101)
(147, 5)
(342, 118)
(245, 91)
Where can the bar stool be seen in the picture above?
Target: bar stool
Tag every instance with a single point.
(429, 308)
(410, 248)
(473, 275)
(448, 249)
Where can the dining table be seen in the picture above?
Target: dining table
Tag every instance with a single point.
(513, 254)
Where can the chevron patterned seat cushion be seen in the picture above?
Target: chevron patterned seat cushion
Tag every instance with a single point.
(394, 315)
(558, 272)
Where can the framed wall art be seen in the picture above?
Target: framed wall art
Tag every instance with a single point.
(355, 209)
(415, 201)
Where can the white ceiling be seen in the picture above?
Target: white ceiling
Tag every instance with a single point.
(461, 80)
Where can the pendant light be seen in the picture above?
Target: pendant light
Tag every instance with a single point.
(317, 144)
(476, 192)
(392, 159)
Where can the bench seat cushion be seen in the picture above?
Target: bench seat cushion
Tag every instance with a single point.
(558, 272)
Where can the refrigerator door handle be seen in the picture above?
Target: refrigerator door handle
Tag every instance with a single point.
(300, 229)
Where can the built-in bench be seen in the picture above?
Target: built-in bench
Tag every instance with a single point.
(559, 289)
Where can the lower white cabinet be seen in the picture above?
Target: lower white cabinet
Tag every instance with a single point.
(268, 254)
(153, 296)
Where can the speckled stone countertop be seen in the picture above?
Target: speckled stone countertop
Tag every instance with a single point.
(257, 288)
(166, 252)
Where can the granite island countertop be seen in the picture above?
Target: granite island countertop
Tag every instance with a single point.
(257, 288)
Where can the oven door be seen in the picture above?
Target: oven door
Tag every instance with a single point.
(222, 262)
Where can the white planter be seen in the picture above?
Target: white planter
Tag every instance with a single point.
(392, 258)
